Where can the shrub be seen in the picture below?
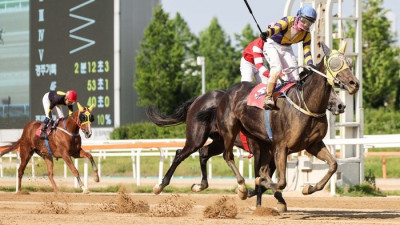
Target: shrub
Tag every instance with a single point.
(381, 121)
(147, 130)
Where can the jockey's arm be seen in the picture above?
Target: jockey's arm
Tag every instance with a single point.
(307, 50)
(282, 24)
(70, 109)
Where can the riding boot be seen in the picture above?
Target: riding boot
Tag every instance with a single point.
(269, 102)
(43, 133)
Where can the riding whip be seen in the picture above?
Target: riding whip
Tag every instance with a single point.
(248, 6)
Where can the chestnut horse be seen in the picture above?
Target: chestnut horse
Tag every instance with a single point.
(64, 141)
(198, 130)
(297, 123)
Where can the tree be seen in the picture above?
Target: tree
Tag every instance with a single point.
(159, 74)
(245, 38)
(380, 64)
(222, 62)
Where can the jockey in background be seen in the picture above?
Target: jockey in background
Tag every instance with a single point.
(54, 99)
(287, 31)
(253, 62)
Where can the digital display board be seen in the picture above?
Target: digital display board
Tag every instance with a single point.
(72, 47)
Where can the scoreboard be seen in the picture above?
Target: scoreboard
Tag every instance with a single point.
(72, 47)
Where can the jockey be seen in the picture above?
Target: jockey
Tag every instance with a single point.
(252, 63)
(54, 99)
(287, 31)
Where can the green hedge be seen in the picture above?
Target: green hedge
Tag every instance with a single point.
(381, 121)
(147, 130)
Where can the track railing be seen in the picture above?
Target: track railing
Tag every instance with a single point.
(129, 148)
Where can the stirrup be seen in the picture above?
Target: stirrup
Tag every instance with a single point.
(269, 103)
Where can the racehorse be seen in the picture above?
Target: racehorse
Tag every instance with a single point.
(63, 142)
(296, 123)
(199, 130)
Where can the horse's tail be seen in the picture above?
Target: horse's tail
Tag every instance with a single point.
(176, 118)
(10, 148)
(209, 115)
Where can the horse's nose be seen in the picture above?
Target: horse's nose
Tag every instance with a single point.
(355, 84)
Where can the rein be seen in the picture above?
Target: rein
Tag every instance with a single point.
(66, 131)
(306, 110)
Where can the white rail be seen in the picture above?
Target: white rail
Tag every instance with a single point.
(134, 153)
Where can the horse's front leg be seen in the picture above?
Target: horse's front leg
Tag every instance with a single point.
(84, 154)
(320, 151)
(266, 182)
(280, 162)
(229, 158)
(70, 164)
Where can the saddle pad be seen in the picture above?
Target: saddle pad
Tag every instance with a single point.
(257, 95)
(243, 138)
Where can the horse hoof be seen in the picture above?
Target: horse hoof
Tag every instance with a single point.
(85, 190)
(157, 189)
(96, 179)
(197, 188)
(306, 189)
(242, 193)
(281, 207)
(257, 181)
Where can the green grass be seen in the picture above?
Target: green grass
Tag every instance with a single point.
(360, 190)
(374, 163)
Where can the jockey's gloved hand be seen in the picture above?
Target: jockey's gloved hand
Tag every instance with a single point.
(264, 35)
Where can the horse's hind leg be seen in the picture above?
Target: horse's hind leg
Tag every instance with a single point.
(50, 164)
(206, 152)
(180, 156)
(25, 156)
(84, 154)
(320, 151)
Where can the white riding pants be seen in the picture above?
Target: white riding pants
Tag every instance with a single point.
(249, 70)
(280, 57)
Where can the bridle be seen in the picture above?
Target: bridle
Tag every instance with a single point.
(84, 117)
(335, 63)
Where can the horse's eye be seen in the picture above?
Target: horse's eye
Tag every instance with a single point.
(336, 63)
(91, 118)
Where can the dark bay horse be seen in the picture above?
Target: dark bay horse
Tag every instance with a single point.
(199, 130)
(64, 142)
(297, 124)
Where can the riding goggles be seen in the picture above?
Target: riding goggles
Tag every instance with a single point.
(336, 63)
(306, 21)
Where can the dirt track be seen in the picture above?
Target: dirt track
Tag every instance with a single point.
(42, 208)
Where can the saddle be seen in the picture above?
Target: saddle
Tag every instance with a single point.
(52, 126)
(257, 95)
